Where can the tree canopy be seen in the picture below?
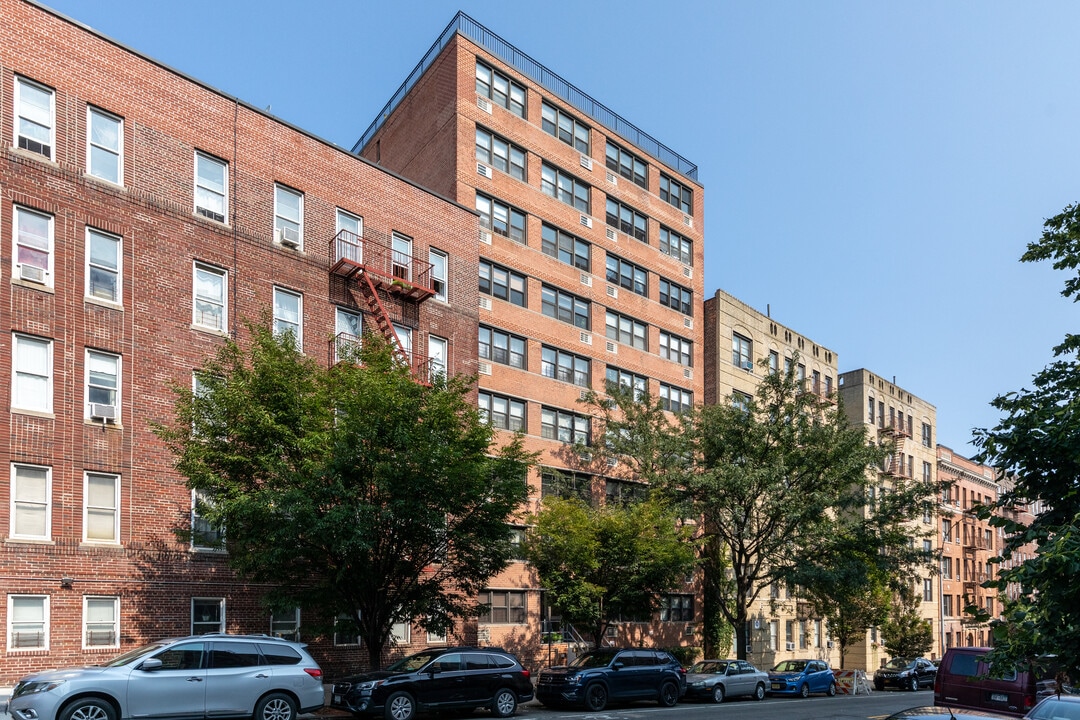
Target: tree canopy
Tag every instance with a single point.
(352, 490)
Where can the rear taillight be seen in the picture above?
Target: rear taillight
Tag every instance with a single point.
(524, 673)
(314, 672)
(1029, 702)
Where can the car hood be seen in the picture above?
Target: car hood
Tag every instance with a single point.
(785, 675)
(699, 677)
(371, 675)
(65, 673)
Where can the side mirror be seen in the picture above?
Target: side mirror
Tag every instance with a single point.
(617, 664)
(150, 664)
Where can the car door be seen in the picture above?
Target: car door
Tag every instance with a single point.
(236, 677)
(743, 682)
(442, 681)
(481, 677)
(176, 689)
(925, 670)
(624, 682)
(820, 676)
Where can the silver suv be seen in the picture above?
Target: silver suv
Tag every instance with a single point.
(218, 676)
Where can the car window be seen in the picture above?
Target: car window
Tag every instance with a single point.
(1055, 709)
(410, 663)
(745, 668)
(446, 663)
(185, 656)
(791, 666)
(501, 661)
(964, 664)
(477, 661)
(275, 654)
(596, 660)
(234, 655)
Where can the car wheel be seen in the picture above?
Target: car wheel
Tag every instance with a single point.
(718, 694)
(914, 684)
(759, 692)
(832, 690)
(400, 706)
(879, 686)
(505, 703)
(804, 691)
(276, 706)
(88, 709)
(669, 694)
(595, 698)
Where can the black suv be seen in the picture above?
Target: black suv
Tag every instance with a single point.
(458, 678)
(600, 676)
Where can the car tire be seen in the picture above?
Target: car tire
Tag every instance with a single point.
(804, 691)
(914, 684)
(880, 687)
(831, 692)
(400, 706)
(718, 694)
(88, 709)
(669, 694)
(595, 698)
(505, 703)
(275, 706)
(759, 692)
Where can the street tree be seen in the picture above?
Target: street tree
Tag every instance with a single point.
(906, 633)
(351, 490)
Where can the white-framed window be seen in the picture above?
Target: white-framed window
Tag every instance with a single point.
(348, 329)
(32, 374)
(207, 615)
(28, 622)
(350, 236)
(400, 633)
(289, 315)
(101, 622)
(440, 263)
(343, 636)
(436, 637)
(288, 216)
(401, 251)
(102, 383)
(353, 224)
(437, 353)
(404, 335)
(33, 246)
(31, 502)
(104, 145)
(103, 266)
(204, 534)
(286, 624)
(211, 187)
(209, 290)
(35, 117)
(101, 509)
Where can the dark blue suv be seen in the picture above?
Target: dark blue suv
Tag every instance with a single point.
(611, 675)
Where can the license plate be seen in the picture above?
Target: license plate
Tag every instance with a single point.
(999, 697)
(777, 686)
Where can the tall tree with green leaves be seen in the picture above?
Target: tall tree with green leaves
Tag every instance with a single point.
(906, 633)
(352, 489)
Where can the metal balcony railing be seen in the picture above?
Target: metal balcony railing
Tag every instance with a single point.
(394, 271)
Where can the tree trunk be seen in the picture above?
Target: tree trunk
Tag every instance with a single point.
(712, 598)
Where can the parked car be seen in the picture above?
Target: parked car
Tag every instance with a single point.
(802, 677)
(719, 679)
(966, 680)
(1056, 707)
(905, 673)
(940, 713)
(455, 678)
(609, 675)
(202, 676)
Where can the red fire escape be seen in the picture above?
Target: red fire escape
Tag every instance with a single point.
(380, 271)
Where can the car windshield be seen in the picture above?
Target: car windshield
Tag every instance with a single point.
(709, 667)
(1053, 709)
(136, 654)
(592, 660)
(899, 663)
(790, 666)
(411, 663)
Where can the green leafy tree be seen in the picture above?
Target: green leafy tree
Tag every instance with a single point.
(906, 633)
(606, 562)
(352, 489)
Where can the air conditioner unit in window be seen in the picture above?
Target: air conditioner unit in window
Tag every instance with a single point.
(32, 273)
(789, 646)
(748, 365)
(105, 413)
(829, 645)
(288, 237)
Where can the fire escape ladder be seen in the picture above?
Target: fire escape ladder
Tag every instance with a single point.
(382, 318)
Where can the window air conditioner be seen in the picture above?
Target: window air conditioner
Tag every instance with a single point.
(32, 273)
(288, 237)
(100, 411)
(748, 365)
(789, 646)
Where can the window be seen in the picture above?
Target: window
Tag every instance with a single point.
(207, 615)
(502, 412)
(815, 381)
(565, 187)
(741, 400)
(628, 275)
(437, 354)
(627, 330)
(286, 624)
(676, 297)
(102, 266)
(675, 399)
(565, 127)
(400, 633)
(500, 89)
(32, 374)
(677, 608)
(625, 163)
(440, 263)
(627, 220)
(774, 362)
(674, 192)
(621, 492)
(928, 590)
(501, 218)
(946, 605)
(31, 502)
(204, 534)
(564, 366)
(210, 297)
(565, 247)
(104, 145)
(502, 347)
(35, 117)
(348, 329)
(564, 306)
(101, 510)
(33, 246)
(828, 385)
(500, 153)
(288, 314)
(565, 484)
(676, 349)
(564, 426)
(212, 187)
(102, 381)
(401, 256)
(926, 471)
(502, 283)
(288, 216)
(28, 622)
(946, 568)
(101, 622)
(675, 245)
(624, 378)
(926, 439)
(504, 607)
(345, 631)
(742, 352)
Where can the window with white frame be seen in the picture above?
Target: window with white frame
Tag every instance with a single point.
(103, 260)
(28, 622)
(348, 329)
(440, 263)
(626, 330)
(436, 637)
(104, 145)
(210, 285)
(437, 354)
(401, 256)
(350, 223)
(563, 186)
(400, 633)
(207, 615)
(565, 426)
(675, 348)
(211, 187)
(31, 502)
(350, 234)
(742, 352)
(32, 370)
(501, 218)
(288, 216)
(102, 384)
(675, 245)
(675, 399)
(101, 622)
(404, 336)
(286, 624)
(35, 117)
(101, 509)
(288, 315)
(33, 246)
(205, 535)
(502, 347)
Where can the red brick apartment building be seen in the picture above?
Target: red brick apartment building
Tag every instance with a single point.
(590, 270)
(143, 217)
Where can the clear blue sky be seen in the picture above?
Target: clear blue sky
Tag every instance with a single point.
(872, 170)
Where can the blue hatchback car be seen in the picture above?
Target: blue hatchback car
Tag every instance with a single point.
(802, 677)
